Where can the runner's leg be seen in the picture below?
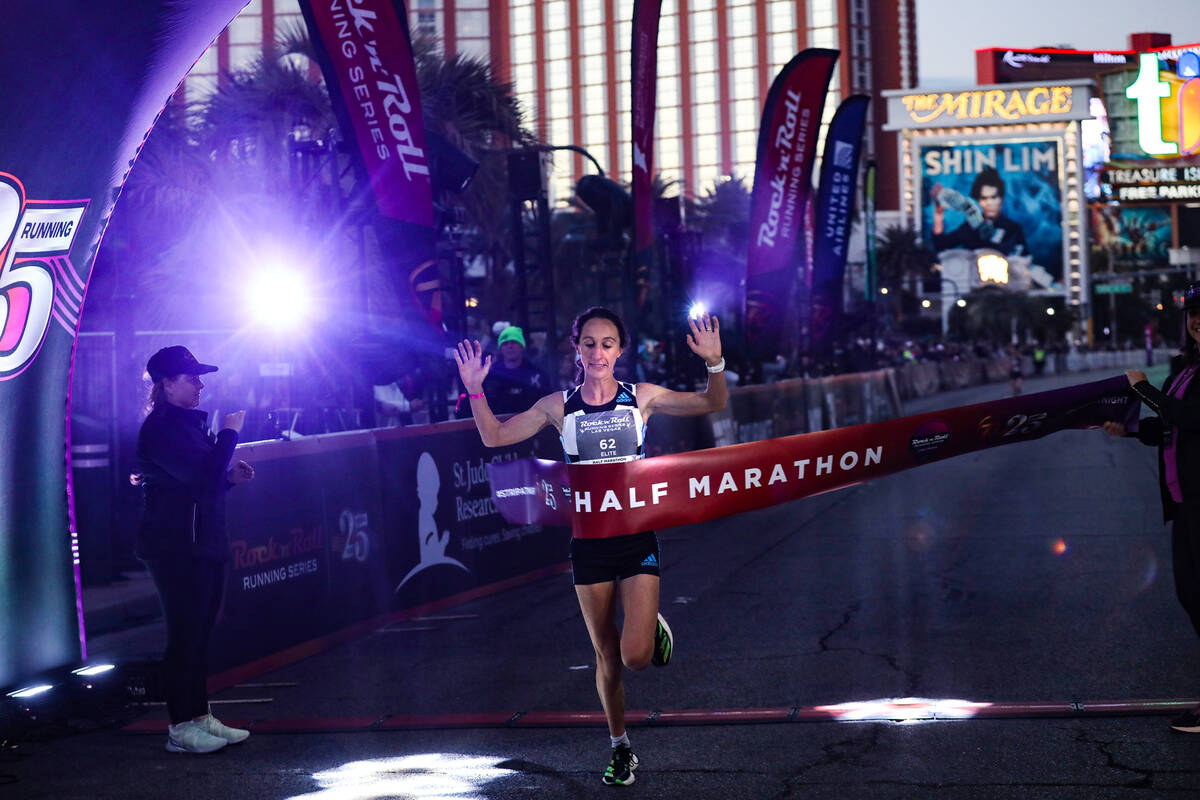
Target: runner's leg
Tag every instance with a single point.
(598, 602)
(639, 599)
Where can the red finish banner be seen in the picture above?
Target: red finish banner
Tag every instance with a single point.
(782, 184)
(367, 61)
(602, 500)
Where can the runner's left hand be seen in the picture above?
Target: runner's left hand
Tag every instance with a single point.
(705, 338)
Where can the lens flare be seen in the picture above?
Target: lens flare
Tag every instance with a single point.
(278, 298)
(425, 775)
(904, 709)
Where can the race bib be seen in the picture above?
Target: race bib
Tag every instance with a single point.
(607, 436)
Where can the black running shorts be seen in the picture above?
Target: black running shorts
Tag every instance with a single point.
(614, 558)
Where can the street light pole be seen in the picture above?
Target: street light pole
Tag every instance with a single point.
(945, 309)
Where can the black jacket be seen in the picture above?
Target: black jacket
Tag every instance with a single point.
(1183, 414)
(183, 477)
(511, 391)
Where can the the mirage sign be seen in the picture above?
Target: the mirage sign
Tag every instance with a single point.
(1009, 104)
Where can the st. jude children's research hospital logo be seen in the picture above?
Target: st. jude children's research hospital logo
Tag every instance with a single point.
(38, 283)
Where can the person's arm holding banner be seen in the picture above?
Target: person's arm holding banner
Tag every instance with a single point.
(1173, 412)
(1149, 429)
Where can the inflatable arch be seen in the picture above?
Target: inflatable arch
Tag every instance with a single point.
(82, 84)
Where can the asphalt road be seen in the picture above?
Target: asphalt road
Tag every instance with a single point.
(1028, 573)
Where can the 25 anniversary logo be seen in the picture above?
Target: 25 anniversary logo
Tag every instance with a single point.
(37, 280)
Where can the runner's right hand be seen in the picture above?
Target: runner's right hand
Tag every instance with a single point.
(472, 366)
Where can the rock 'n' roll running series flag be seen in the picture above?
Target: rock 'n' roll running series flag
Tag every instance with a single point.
(835, 202)
(603, 500)
(366, 57)
(787, 137)
(644, 69)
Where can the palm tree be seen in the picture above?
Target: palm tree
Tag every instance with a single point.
(462, 101)
(901, 257)
(723, 213)
(221, 176)
(993, 312)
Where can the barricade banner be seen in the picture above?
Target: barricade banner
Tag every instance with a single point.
(445, 535)
(918, 380)
(753, 410)
(343, 528)
(959, 374)
(602, 500)
(996, 369)
(308, 547)
(782, 184)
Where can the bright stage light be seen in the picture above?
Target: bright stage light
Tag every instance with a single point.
(961, 303)
(925, 303)
(697, 310)
(1050, 312)
(883, 290)
(278, 298)
(31, 691)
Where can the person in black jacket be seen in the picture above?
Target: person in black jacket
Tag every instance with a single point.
(184, 471)
(1176, 434)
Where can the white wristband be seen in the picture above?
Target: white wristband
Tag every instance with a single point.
(718, 368)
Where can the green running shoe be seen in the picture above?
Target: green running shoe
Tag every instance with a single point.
(620, 770)
(664, 643)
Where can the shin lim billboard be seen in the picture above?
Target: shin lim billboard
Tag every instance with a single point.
(1003, 195)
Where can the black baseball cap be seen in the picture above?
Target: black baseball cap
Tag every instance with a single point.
(175, 360)
(1191, 296)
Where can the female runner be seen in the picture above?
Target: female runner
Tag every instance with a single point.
(603, 420)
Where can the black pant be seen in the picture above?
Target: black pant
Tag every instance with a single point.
(1185, 558)
(190, 590)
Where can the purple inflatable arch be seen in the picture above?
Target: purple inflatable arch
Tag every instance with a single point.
(81, 84)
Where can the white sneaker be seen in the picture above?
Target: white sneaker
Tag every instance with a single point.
(190, 737)
(215, 727)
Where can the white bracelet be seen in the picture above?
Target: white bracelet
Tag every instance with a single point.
(718, 368)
